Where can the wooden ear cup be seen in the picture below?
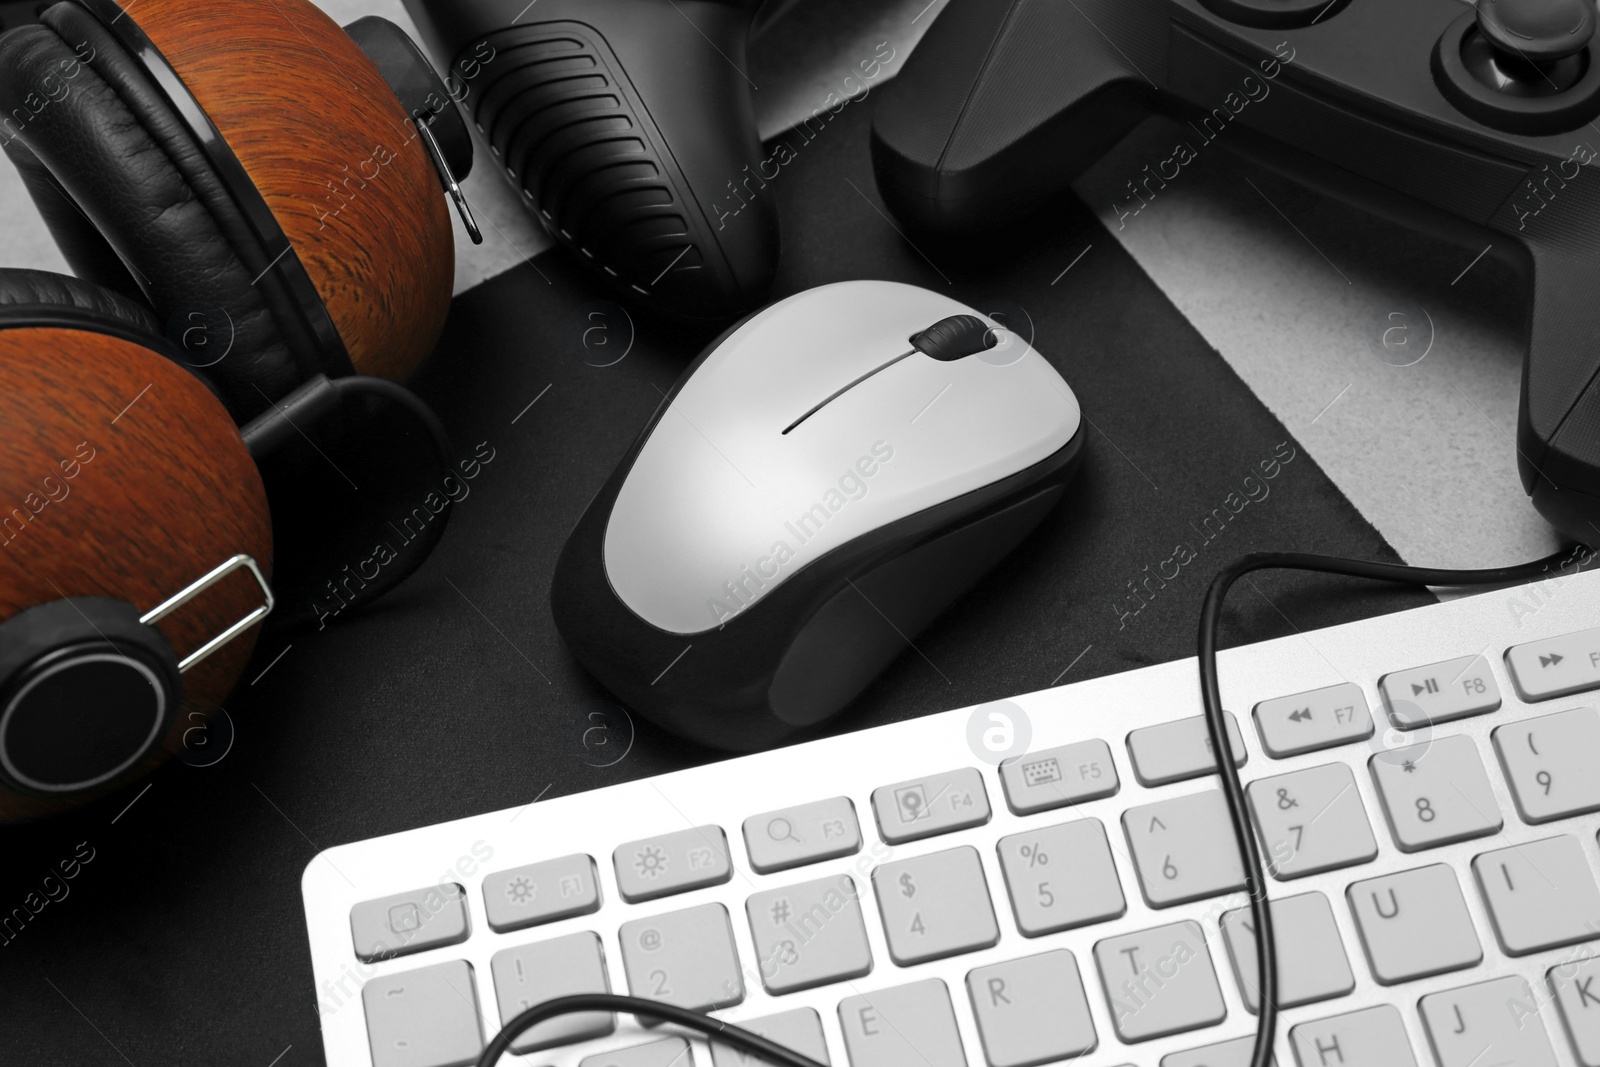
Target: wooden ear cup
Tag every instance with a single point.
(337, 159)
(124, 478)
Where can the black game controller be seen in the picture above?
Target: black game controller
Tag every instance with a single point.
(628, 129)
(1459, 120)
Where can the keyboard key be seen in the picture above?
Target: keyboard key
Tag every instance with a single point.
(541, 893)
(1174, 751)
(806, 833)
(409, 922)
(1235, 1053)
(1577, 988)
(1159, 981)
(1183, 848)
(1440, 692)
(1549, 762)
(1541, 894)
(1556, 666)
(1414, 924)
(1435, 792)
(903, 1026)
(667, 1052)
(1312, 965)
(809, 934)
(1061, 876)
(672, 863)
(1487, 1024)
(532, 974)
(800, 1029)
(1371, 1037)
(424, 1018)
(1306, 722)
(1312, 820)
(1031, 1011)
(934, 906)
(924, 807)
(1056, 777)
(683, 957)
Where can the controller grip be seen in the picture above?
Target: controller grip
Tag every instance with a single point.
(1001, 105)
(1558, 426)
(627, 127)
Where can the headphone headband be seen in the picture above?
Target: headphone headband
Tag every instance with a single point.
(310, 330)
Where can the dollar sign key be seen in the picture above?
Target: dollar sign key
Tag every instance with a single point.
(907, 887)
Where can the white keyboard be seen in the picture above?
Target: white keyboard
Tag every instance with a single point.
(1426, 786)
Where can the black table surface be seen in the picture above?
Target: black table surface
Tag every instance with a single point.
(182, 939)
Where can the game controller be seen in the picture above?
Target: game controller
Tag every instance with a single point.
(627, 128)
(1459, 120)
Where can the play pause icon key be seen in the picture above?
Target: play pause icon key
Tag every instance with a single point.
(1439, 692)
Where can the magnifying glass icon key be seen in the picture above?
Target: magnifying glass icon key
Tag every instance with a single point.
(781, 829)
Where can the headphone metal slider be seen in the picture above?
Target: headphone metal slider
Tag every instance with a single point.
(200, 585)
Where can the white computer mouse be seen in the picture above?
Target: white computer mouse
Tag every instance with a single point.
(825, 479)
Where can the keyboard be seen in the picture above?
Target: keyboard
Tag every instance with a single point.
(1046, 879)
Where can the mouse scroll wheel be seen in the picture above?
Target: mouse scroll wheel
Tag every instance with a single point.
(955, 337)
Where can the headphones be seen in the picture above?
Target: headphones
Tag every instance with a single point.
(251, 202)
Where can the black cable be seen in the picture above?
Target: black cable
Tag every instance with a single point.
(1216, 724)
(727, 1033)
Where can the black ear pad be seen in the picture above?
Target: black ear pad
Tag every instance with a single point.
(42, 298)
(116, 148)
(86, 691)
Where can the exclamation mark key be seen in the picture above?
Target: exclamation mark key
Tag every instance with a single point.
(1439, 692)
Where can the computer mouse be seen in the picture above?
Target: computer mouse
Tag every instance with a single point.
(828, 475)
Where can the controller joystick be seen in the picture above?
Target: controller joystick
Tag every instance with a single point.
(1522, 65)
(1004, 102)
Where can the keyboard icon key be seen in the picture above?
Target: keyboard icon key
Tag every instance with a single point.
(1057, 777)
